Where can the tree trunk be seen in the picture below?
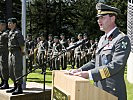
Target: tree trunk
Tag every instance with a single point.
(9, 9)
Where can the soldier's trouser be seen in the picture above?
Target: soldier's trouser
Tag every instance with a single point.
(4, 65)
(78, 60)
(41, 61)
(85, 58)
(15, 65)
(72, 59)
(30, 62)
(56, 64)
(50, 62)
(63, 61)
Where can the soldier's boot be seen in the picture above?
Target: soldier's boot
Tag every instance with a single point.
(5, 85)
(18, 90)
(12, 89)
(43, 69)
(2, 82)
(72, 66)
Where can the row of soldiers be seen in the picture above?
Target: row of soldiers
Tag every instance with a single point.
(12, 51)
(46, 50)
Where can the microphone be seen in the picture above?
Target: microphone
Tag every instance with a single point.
(76, 44)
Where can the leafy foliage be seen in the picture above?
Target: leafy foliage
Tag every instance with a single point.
(64, 16)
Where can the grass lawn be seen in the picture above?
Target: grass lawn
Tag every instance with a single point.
(37, 77)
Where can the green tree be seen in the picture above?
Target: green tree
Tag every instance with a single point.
(70, 17)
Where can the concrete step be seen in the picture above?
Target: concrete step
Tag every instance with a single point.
(34, 91)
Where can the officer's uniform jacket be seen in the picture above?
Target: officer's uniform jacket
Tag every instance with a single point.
(108, 67)
(29, 46)
(64, 43)
(3, 41)
(50, 46)
(16, 40)
(78, 49)
(57, 47)
(43, 46)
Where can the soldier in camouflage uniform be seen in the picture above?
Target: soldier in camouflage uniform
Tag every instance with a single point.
(57, 48)
(64, 44)
(30, 52)
(4, 56)
(16, 51)
(50, 47)
(78, 52)
(72, 59)
(86, 46)
(42, 52)
(91, 49)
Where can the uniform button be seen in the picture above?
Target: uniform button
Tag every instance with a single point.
(114, 89)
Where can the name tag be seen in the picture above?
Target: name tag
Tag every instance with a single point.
(108, 46)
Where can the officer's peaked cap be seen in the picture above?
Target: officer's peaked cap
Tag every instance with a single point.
(63, 34)
(14, 20)
(50, 35)
(85, 34)
(80, 34)
(29, 34)
(103, 9)
(56, 37)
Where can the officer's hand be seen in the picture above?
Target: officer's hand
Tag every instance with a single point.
(74, 70)
(83, 74)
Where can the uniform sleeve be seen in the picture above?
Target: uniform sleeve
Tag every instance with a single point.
(118, 62)
(88, 66)
(20, 38)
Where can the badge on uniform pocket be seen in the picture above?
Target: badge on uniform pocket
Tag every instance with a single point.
(104, 60)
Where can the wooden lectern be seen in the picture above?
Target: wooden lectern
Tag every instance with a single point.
(68, 87)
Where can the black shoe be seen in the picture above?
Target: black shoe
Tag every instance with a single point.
(18, 90)
(11, 90)
(42, 72)
(5, 86)
(72, 66)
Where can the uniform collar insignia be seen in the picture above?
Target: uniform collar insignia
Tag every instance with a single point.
(124, 45)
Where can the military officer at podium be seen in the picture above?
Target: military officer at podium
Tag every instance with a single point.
(107, 70)
(16, 51)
